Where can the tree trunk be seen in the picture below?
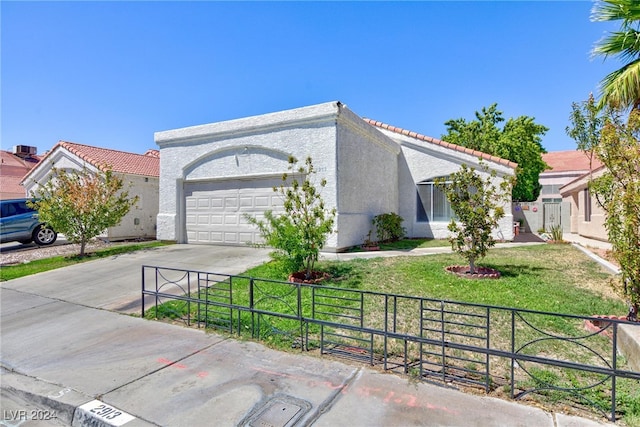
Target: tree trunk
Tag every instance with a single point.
(633, 313)
(83, 243)
(472, 266)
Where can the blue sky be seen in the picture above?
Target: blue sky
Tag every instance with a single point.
(111, 74)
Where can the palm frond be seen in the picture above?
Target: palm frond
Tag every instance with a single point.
(621, 88)
(624, 44)
(613, 10)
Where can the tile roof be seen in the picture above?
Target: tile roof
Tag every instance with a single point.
(442, 143)
(12, 169)
(147, 164)
(571, 160)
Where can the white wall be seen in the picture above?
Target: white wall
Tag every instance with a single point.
(249, 147)
(367, 178)
(140, 221)
(420, 161)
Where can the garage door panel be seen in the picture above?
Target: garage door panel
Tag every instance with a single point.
(217, 202)
(230, 203)
(231, 219)
(262, 202)
(215, 211)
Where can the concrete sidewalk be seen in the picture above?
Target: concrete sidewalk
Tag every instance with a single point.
(67, 348)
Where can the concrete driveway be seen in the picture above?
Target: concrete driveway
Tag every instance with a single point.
(114, 283)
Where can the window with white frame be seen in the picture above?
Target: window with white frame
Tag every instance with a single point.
(432, 204)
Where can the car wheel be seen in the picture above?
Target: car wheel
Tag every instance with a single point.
(43, 235)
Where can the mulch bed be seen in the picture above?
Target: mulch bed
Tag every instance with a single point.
(481, 272)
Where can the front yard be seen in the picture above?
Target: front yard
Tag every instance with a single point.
(543, 278)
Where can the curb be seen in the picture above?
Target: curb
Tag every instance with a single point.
(64, 404)
(596, 258)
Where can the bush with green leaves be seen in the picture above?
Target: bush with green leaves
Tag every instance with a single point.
(389, 227)
(297, 234)
(82, 204)
(478, 205)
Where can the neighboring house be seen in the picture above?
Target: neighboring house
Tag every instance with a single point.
(212, 175)
(140, 171)
(550, 209)
(587, 216)
(14, 165)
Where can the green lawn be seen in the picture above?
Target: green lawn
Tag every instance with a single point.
(553, 278)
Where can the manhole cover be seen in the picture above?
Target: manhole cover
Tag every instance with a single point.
(279, 411)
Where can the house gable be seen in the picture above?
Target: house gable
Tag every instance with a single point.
(425, 158)
(141, 172)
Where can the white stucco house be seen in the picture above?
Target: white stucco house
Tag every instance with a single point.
(140, 173)
(213, 174)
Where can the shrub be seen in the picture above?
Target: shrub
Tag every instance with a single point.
(389, 227)
(556, 232)
(478, 206)
(301, 231)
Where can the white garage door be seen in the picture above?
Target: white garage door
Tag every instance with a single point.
(215, 210)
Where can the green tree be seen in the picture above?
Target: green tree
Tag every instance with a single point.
(621, 88)
(82, 204)
(519, 140)
(478, 207)
(603, 134)
(618, 192)
(586, 120)
(298, 234)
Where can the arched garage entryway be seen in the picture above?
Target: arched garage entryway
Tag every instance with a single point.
(215, 210)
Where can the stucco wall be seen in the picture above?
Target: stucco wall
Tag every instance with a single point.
(140, 221)
(595, 227)
(252, 147)
(574, 194)
(367, 178)
(422, 161)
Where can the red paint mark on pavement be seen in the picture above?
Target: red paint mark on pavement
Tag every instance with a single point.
(387, 396)
(165, 361)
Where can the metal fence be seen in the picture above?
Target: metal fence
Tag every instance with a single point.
(520, 353)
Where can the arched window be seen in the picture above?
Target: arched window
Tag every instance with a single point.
(432, 204)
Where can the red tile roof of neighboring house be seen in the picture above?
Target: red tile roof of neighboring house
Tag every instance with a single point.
(443, 143)
(12, 169)
(153, 153)
(147, 164)
(566, 161)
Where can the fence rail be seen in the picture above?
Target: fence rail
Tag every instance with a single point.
(450, 343)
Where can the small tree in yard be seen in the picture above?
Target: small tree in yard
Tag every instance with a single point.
(478, 206)
(82, 204)
(617, 191)
(298, 234)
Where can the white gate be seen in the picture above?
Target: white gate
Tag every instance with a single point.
(552, 215)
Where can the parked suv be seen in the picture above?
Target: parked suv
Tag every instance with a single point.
(18, 222)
